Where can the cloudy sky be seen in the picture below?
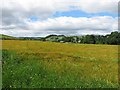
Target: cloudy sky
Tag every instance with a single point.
(68, 17)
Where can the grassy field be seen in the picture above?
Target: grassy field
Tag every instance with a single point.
(35, 64)
(2, 36)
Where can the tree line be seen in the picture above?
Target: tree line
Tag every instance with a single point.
(113, 39)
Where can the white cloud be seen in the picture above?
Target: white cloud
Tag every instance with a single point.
(65, 25)
(16, 13)
(95, 6)
(45, 8)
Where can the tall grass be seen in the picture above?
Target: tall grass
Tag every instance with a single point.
(33, 64)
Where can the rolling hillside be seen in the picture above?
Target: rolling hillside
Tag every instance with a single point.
(6, 37)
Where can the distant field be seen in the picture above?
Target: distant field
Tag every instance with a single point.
(35, 64)
(2, 36)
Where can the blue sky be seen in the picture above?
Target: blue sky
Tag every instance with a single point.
(78, 13)
(69, 17)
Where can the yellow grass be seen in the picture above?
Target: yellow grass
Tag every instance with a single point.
(87, 61)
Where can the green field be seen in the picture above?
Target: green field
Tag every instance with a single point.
(2, 36)
(35, 64)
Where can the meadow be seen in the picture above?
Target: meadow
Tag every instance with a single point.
(36, 64)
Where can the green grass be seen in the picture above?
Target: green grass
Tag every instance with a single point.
(2, 36)
(21, 73)
(36, 66)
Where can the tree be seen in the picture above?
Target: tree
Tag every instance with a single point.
(89, 39)
(113, 38)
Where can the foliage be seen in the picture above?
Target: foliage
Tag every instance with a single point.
(113, 38)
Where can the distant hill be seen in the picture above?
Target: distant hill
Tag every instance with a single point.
(113, 38)
(6, 37)
(29, 38)
(56, 38)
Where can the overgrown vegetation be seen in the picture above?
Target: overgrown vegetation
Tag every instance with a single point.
(35, 64)
(113, 38)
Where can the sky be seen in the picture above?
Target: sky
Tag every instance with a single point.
(38, 18)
